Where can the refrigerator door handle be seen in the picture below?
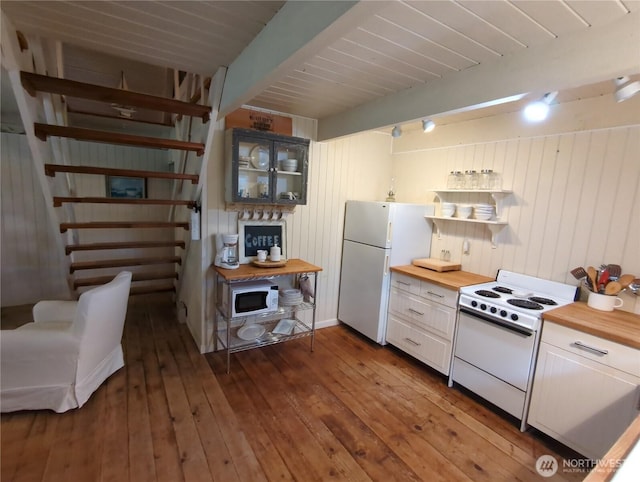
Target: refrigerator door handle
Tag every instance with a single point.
(386, 265)
(389, 231)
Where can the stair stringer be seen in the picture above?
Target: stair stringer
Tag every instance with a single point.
(14, 61)
(196, 283)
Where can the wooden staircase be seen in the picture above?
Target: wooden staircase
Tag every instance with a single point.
(137, 250)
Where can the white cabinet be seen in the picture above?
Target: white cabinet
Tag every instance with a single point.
(421, 320)
(586, 389)
(451, 195)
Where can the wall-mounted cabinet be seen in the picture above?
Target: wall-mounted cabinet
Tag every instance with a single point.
(495, 224)
(265, 168)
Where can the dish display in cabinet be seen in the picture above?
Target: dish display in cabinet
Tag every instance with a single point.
(265, 168)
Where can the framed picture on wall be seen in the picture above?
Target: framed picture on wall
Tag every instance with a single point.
(255, 235)
(126, 187)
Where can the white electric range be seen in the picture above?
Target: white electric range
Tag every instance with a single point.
(497, 337)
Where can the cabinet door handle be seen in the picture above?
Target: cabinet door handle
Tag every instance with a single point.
(414, 343)
(435, 294)
(598, 351)
(415, 311)
(404, 283)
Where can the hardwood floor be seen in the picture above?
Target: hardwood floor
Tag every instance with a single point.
(351, 410)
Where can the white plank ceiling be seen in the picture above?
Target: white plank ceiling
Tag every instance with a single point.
(397, 45)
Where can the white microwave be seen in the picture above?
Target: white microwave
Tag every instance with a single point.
(250, 298)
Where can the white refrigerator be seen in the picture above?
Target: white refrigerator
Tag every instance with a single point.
(377, 235)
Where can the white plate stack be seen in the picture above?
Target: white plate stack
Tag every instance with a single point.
(289, 165)
(483, 212)
(290, 297)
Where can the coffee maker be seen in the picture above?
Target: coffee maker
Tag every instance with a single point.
(227, 255)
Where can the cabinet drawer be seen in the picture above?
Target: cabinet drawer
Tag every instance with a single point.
(429, 349)
(439, 294)
(405, 283)
(424, 314)
(609, 353)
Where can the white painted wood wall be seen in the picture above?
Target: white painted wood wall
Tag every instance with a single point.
(30, 270)
(31, 266)
(576, 195)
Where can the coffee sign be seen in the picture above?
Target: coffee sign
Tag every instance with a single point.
(260, 235)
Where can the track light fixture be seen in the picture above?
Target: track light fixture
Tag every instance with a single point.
(539, 110)
(625, 89)
(396, 131)
(428, 125)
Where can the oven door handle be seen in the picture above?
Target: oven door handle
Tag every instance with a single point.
(503, 324)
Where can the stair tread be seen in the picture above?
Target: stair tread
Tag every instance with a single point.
(114, 263)
(43, 83)
(42, 131)
(123, 245)
(99, 280)
(123, 224)
(143, 290)
(51, 169)
(59, 200)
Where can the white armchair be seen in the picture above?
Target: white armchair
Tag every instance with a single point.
(61, 358)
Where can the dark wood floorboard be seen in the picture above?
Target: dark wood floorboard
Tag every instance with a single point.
(351, 410)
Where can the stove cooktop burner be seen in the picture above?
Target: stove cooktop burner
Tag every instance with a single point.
(487, 294)
(520, 303)
(502, 289)
(543, 301)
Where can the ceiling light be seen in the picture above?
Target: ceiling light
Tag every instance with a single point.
(428, 125)
(396, 132)
(625, 88)
(539, 110)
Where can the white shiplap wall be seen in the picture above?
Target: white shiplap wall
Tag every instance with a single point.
(575, 202)
(122, 157)
(32, 269)
(357, 167)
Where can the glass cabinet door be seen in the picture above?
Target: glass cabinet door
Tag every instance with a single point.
(266, 168)
(255, 170)
(291, 171)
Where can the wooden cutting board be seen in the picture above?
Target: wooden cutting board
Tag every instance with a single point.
(436, 264)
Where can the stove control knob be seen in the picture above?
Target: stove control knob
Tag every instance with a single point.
(514, 317)
(474, 303)
(503, 313)
(494, 309)
(483, 306)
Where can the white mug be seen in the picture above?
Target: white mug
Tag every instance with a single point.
(262, 255)
(604, 302)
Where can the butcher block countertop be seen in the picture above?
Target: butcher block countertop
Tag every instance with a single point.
(619, 326)
(448, 279)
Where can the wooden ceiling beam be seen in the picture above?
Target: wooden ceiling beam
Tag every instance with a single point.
(34, 83)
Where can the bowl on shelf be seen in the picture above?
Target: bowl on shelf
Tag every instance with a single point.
(447, 209)
(463, 211)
